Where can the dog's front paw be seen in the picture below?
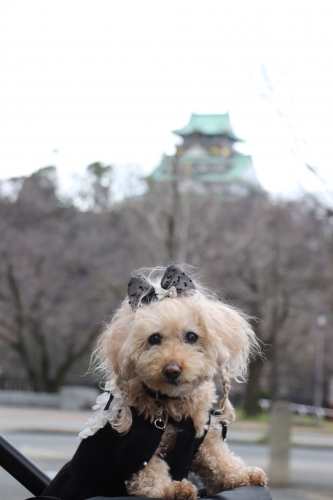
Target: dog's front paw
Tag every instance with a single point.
(257, 476)
(245, 477)
(183, 490)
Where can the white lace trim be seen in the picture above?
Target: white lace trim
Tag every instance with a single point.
(101, 416)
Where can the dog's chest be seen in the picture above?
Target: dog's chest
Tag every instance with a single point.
(168, 441)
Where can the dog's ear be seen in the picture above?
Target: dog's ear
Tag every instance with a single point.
(117, 337)
(233, 340)
(231, 335)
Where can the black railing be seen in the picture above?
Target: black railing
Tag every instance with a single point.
(22, 469)
(10, 383)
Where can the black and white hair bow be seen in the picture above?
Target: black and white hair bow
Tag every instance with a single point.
(174, 283)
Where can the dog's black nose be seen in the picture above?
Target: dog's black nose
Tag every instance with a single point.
(172, 371)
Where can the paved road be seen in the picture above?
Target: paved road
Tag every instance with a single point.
(311, 468)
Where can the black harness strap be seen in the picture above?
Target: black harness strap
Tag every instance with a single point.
(223, 426)
(107, 406)
(224, 431)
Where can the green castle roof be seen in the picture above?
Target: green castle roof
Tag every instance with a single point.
(208, 125)
(237, 166)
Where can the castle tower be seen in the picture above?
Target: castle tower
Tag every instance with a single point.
(206, 161)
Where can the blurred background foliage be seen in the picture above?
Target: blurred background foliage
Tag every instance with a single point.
(65, 263)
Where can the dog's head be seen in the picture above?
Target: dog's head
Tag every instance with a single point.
(175, 344)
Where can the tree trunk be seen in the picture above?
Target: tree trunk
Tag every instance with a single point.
(253, 389)
(274, 375)
(172, 240)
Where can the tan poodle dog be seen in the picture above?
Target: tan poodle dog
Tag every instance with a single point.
(158, 419)
(162, 350)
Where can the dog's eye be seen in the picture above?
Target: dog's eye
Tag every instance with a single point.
(155, 339)
(191, 337)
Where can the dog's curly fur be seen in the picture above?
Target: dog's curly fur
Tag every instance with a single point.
(125, 357)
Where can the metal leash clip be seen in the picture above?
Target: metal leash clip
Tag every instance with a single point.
(159, 421)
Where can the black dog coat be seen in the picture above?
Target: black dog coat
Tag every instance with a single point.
(104, 461)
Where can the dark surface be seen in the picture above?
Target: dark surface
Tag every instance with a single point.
(245, 493)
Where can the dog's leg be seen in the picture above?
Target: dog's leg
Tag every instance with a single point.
(154, 481)
(219, 468)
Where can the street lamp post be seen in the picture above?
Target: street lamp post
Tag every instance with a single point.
(319, 362)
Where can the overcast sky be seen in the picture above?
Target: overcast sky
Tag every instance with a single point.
(93, 80)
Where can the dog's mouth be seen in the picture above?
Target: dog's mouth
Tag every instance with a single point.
(176, 383)
(157, 394)
(168, 390)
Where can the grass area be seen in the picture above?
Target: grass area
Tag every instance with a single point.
(264, 439)
(262, 417)
(297, 420)
(309, 421)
